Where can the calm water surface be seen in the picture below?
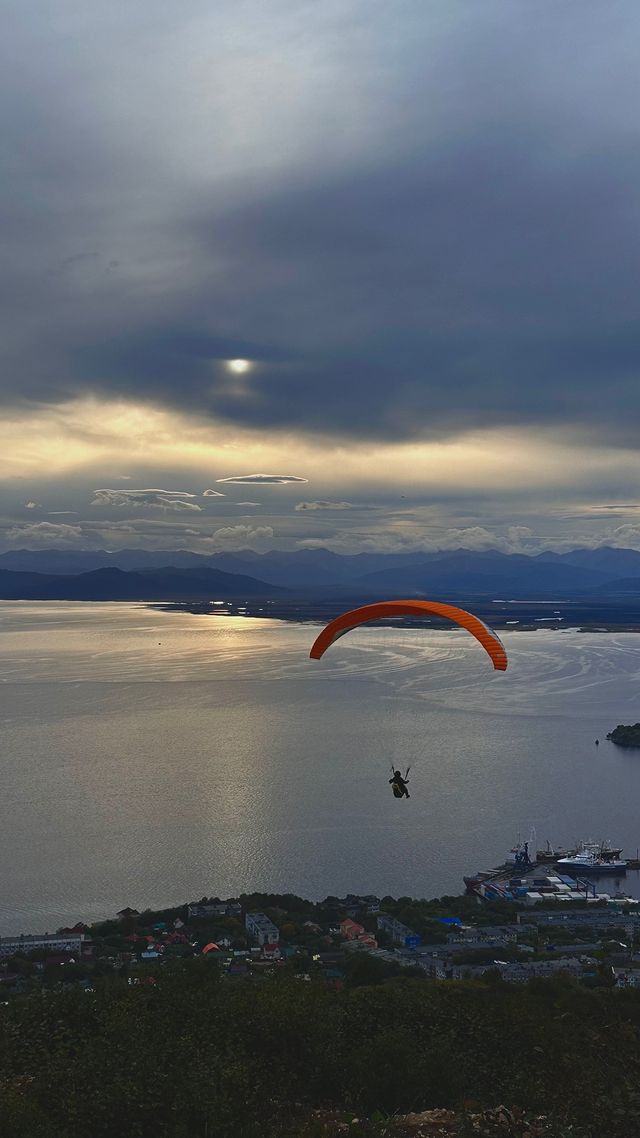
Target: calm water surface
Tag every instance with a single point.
(149, 757)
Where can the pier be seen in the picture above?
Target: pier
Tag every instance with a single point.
(530, 882)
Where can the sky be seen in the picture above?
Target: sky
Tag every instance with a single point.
(359, 274)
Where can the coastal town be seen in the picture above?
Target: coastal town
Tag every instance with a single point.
(543, 925)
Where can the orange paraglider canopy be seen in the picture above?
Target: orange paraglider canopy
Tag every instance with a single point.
(211, 947)
(385, 609)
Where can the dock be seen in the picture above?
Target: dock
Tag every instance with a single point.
(528, 884)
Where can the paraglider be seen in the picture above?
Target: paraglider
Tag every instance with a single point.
(384, 609)
(414, 608)
(399, 784)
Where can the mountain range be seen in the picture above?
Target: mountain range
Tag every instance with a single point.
(132, 574)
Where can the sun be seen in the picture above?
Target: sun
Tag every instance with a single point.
(239, 367)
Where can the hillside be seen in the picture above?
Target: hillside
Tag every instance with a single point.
(181, 1052)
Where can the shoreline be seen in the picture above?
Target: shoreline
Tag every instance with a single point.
(297, 612)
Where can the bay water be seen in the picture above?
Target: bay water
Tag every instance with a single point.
(150, 757)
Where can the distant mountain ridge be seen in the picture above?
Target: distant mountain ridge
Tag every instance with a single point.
(182, 574)
(115, 584)
(503, 574)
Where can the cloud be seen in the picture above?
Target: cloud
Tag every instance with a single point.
(241, 537)
(33, 505)
(475, 235)
(212, 494)
(263, 479)
(325, 505)
(622, 506)
(247, 503)
(430, 293)
(43, 534)
(624, 537)
(157, 499)
(409, 539)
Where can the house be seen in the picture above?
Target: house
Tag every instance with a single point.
(367, 940)
(125, 913)
(627, 978)
(351, 930)
(312, 927)
(12, 981)
(262, 929)
(53, 959)
(329, 958)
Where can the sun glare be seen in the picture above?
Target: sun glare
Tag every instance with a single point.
(239, 367)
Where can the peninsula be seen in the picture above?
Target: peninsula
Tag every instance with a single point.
(625, 735)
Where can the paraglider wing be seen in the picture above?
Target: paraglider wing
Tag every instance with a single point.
(385, 609)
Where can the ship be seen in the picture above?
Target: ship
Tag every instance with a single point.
(593, 857)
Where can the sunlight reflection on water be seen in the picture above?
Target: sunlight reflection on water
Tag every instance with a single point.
(150, 756)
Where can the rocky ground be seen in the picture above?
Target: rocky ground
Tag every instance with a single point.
(500, 1122)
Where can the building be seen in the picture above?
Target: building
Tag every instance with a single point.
(398, 932)
(210, 907)
(124, 913)
(206, 909)
(351, 930)
(353, 903)
(592, 918)
(483, 934)
(52, 942)
(518, 972)
(261, 928)
(434, 967)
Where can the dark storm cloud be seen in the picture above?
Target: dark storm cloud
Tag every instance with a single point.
(326, 505)
(446, 238)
